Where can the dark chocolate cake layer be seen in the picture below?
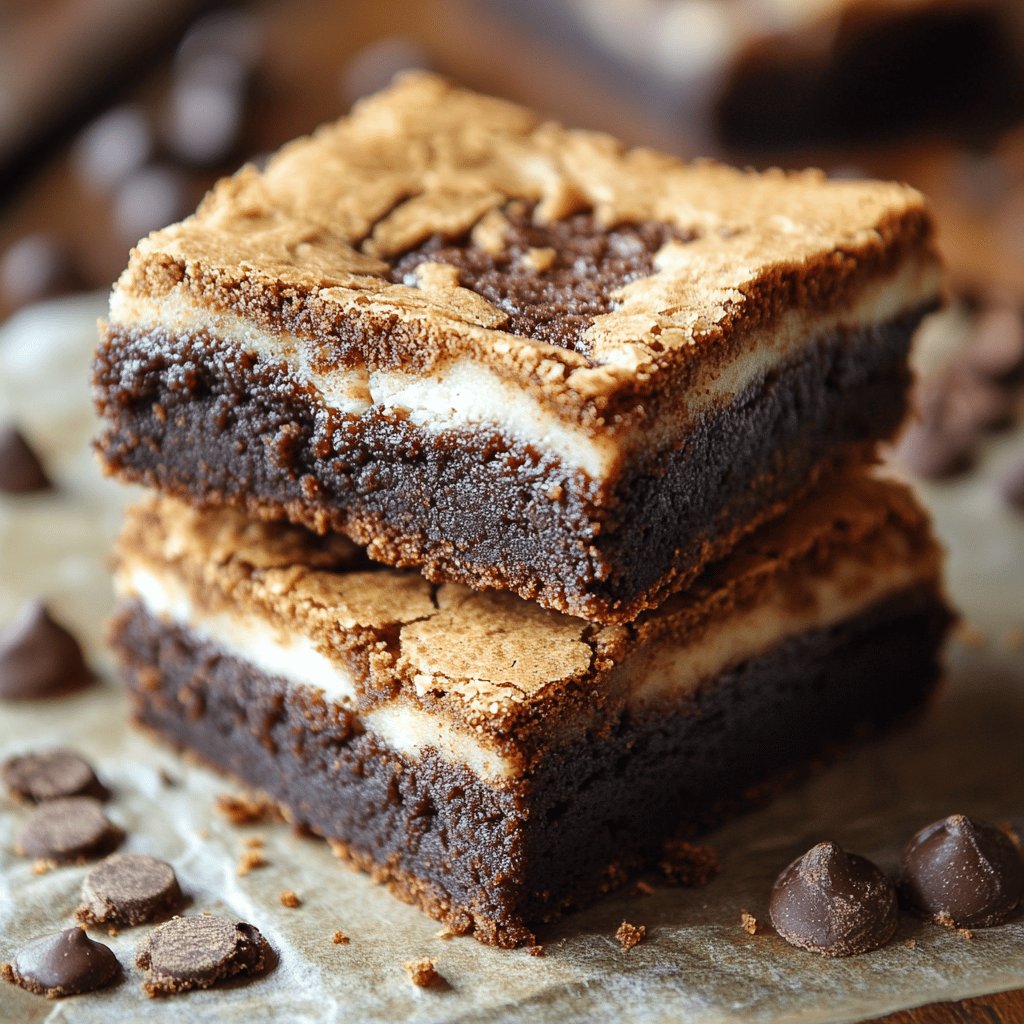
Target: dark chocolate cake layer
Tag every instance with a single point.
(499, 858)
(197, 419)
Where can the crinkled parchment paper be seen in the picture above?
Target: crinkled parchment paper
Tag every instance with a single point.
(697, 963)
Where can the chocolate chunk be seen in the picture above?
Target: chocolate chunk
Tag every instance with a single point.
(37, 267)
(834, 903)
(1011, 485)
(50, 775)
(70, 829)
(21, 472)
(39, 657)
(128, 889)
(966, 872)
(197, 952)
(65, 963)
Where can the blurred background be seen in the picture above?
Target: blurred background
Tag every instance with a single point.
(117, 115)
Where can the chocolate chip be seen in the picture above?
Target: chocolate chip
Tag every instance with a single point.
(62, 964)
(50, 775)
(21, 472)
(128, 889)
(834, 903)
(197, 952)
(996, 346)
(1011, 485)
(37, 267)
(71, 829)
(39, 657)
(149, 199)
(963, 871)
(112, 148)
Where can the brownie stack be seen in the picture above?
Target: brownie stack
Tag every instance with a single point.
(513, 500)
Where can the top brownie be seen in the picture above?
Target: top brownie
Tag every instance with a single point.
(512, 354)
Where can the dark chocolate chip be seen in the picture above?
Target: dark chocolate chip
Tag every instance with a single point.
(39, 657)
(1011, 486)
(112, 148)
(996, 346)
(71, 829)
(373, 67)
(63, 964)
(128, 889)
(834, 903)
(50, 775)
(21, 472)
(964, 872)
(197, 952)
(150, 198)
(37, 267)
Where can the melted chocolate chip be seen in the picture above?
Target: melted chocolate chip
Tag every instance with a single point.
(21, 472)
(558, 303)
(63, 964)
(66, 830)
(834, 903)
(39, 657)
(128, 889)
(50, 775)
(197, 952)
(966, 872)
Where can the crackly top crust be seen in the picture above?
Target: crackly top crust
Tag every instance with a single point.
(307, 246)
(510, 672)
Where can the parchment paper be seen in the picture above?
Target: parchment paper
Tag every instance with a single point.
(697, 963)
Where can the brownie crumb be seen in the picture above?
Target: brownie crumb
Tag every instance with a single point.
(289, 899)
(911, 943)
(250, 861)
(748, 922)
(423, 974)
(688, 864)
(965, 933)
(643, 888)
(944, 919)
(245, 810)
(630, 935)
(339, 938)
(535, 950)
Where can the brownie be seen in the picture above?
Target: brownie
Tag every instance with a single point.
(512, 355)
(495, 762)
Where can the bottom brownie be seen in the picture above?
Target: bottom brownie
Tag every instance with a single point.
(499, 856)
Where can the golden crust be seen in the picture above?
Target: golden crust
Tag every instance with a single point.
(492, 663)
(304, 246)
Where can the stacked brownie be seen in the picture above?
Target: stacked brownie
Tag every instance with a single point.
(513, 496)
